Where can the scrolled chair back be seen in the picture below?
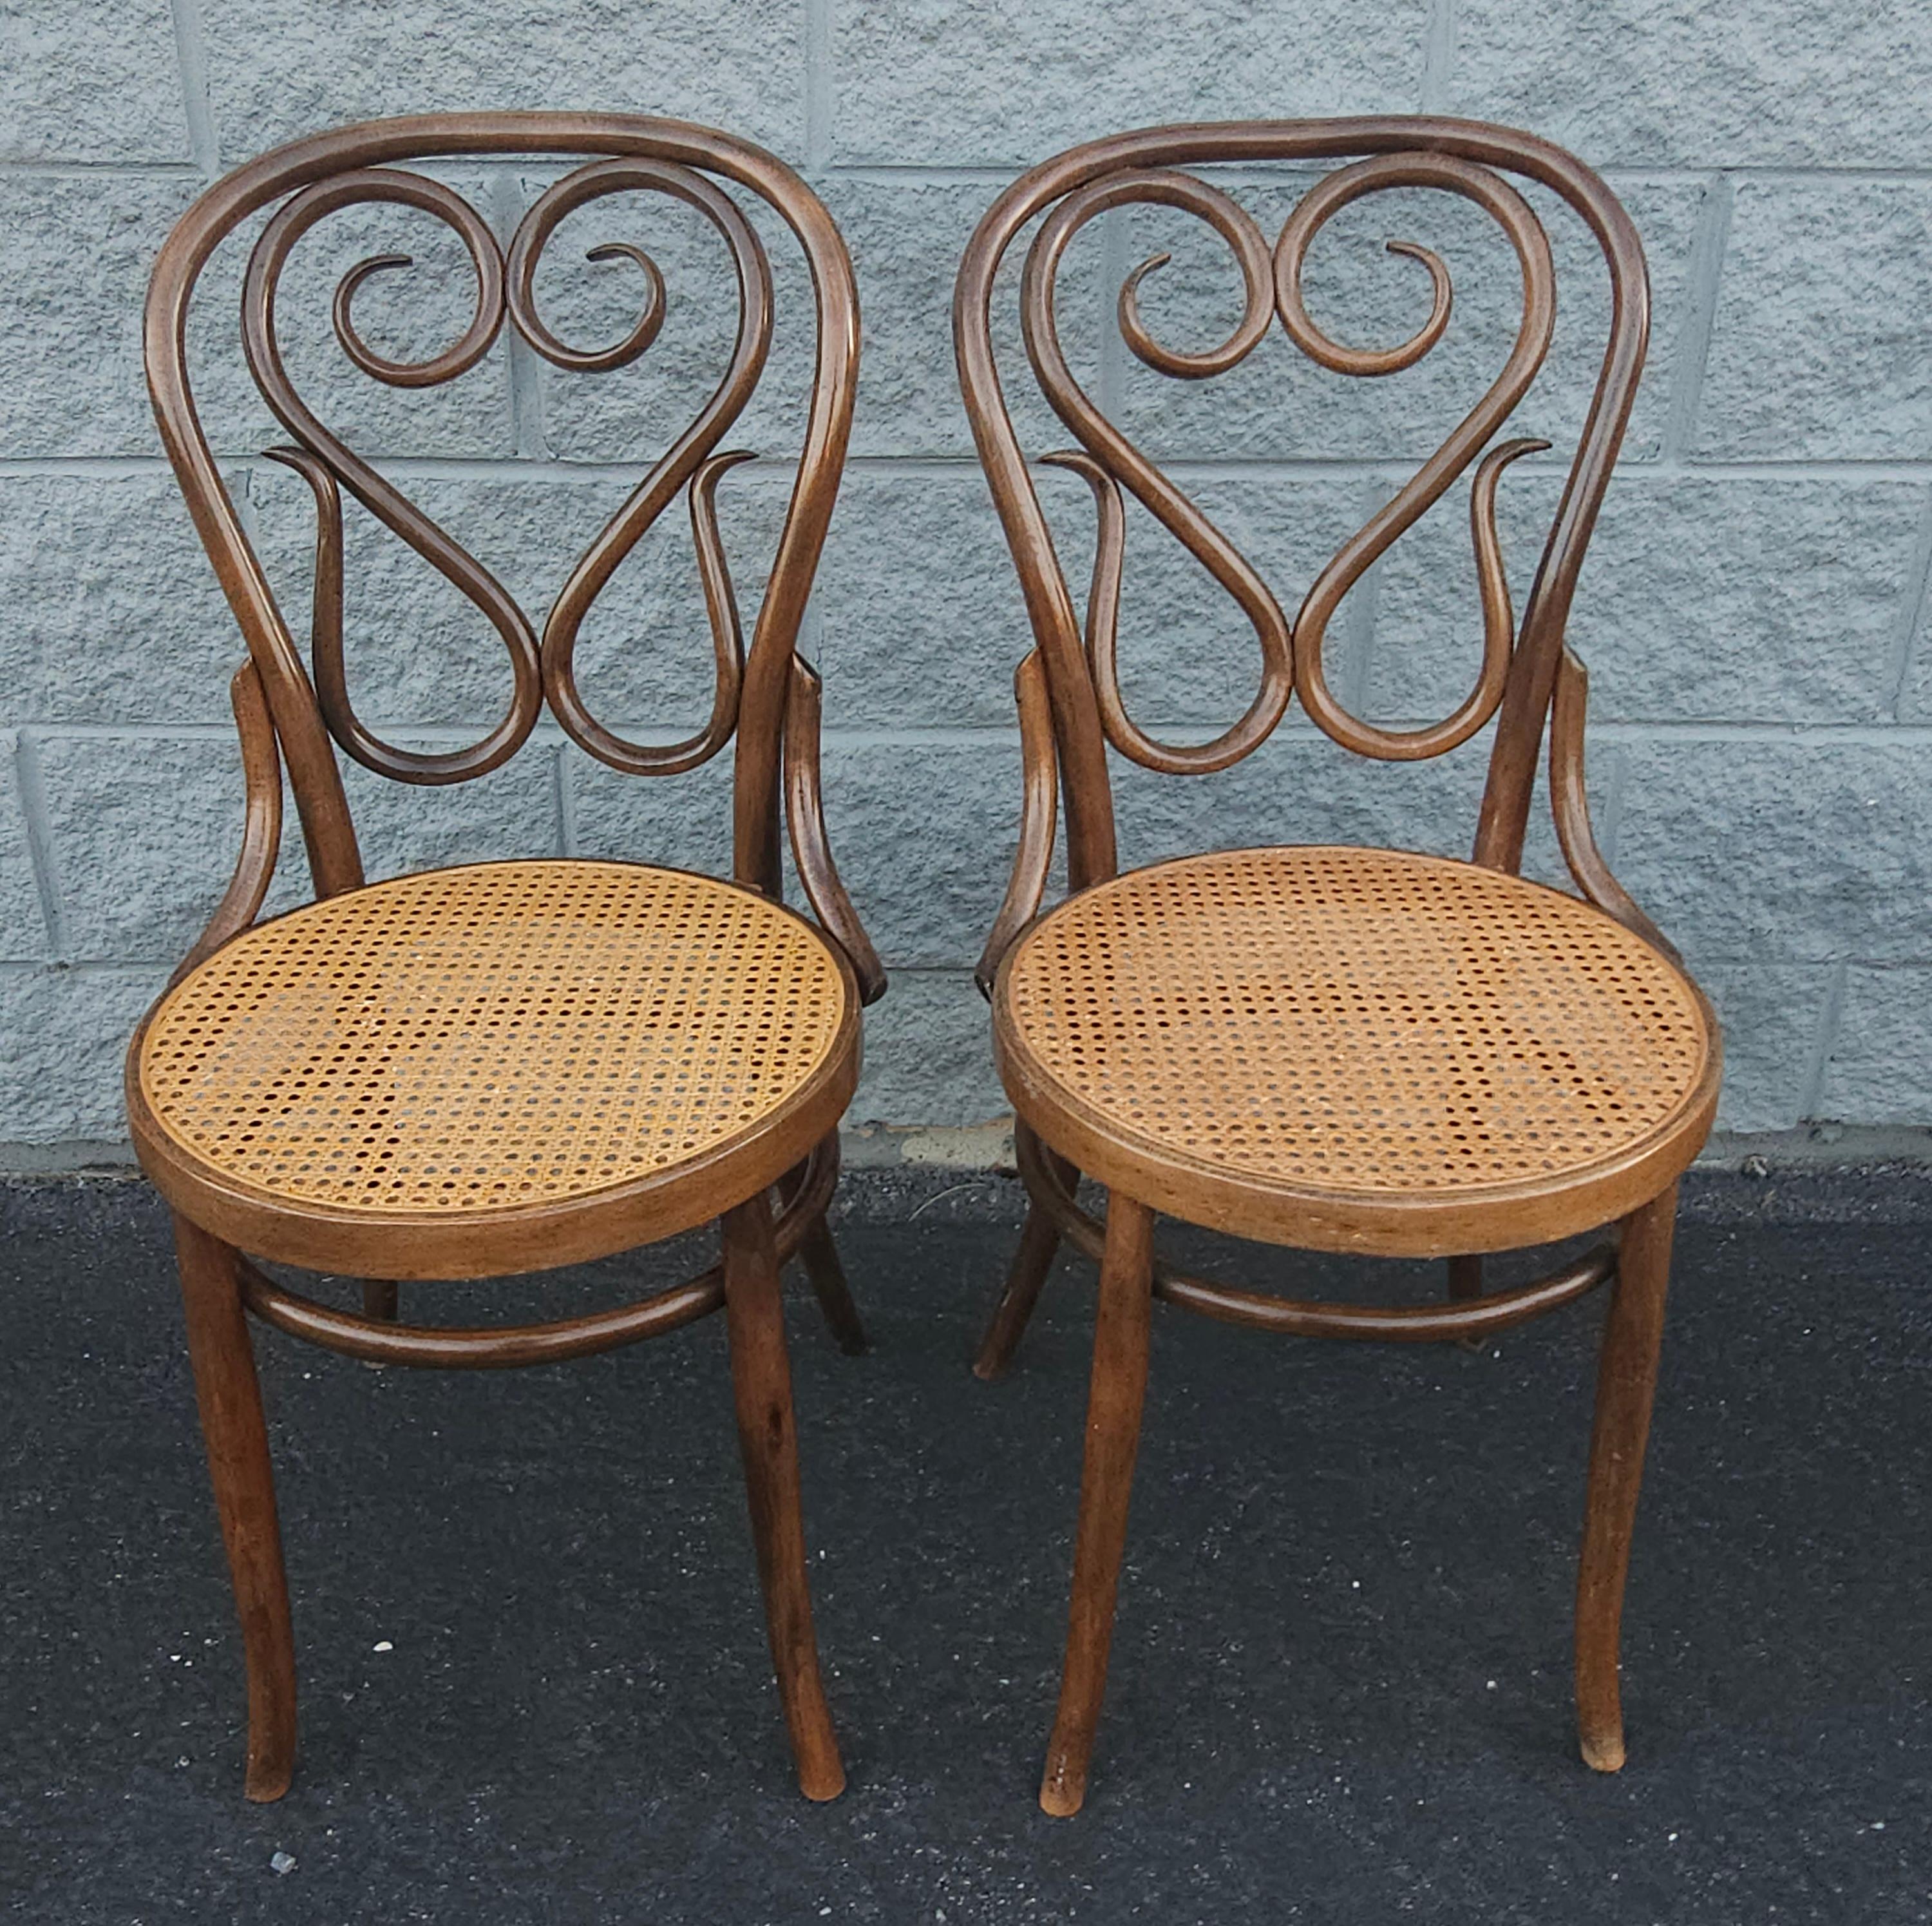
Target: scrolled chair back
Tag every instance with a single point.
(1072, 706)
(766, 697)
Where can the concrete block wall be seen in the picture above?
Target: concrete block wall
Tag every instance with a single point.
(1754, 612)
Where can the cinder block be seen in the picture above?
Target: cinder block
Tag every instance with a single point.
(928, 1054)
(1633, 83)
(922, 85)
(1764, 847)
(1771, 1015)
(924, 831)
(1915, 695)
(907, 237)
(922, 620)
(93, 82)
(23, 930)
(143, 836)
(1816, 352)
(1300, 788)
(1880, 1068)
(909, 643)
(1702, 600)
(112, 614)
(278, 68)
(79, 250)
(144, 831)
(511, 811)
(681, 822)
(60, 1075)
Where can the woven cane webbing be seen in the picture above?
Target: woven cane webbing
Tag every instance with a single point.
(494, 1035)
(1360, 1019)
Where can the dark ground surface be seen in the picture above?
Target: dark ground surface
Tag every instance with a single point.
(1340, 1688)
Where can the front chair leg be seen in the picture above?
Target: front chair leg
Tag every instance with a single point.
(767, 1435)
(1118, 1384)
(1626, 1386)
(237, 1438)
(828, 1283)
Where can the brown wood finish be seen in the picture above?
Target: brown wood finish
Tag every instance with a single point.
(1121, 1329)
(1626, 1387)
(237, 1436)
(768, 1437)
(820, 1255)
(1040, 1243)
(297, 1207)
(1112, 1012)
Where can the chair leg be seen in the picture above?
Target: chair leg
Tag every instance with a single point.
(1465, 1277)
(1039, 1242)
(767, 1435)
(828, 1281)
(379, 1300)
(1118, 1384)
(237, 1438)
(1626, 1386)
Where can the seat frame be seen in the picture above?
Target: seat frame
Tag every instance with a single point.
(766, 700)
(1072, 717)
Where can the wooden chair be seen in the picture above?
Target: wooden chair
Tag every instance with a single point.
(502, 1067)
(1335, 1049)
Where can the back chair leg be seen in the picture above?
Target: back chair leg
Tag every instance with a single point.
(1115, 1392)
(237, 1438)
(1039, 1242)
(379, 1300)
(767, 1435)
(828, 1282)
(1626, 1386)
(1465, 1277)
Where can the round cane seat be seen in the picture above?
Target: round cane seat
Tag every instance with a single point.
(500, 1040)
(1357, 1049)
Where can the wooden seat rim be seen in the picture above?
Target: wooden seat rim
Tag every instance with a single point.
(508, 1239)
(1419, 1223)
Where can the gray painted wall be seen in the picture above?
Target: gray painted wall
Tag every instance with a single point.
(1753, 611)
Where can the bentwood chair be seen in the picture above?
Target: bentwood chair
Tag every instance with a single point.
(1335, 1049)
(501, 1068)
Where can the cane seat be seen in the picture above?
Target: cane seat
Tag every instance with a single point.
(1353, 1049)
(469, 1046)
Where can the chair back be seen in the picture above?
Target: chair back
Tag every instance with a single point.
(1518, 666)
(305, 182)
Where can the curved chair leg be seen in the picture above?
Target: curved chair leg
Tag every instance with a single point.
(1038, 1242)
(767, 1435)
(1626, 1385)
(1119, 1383)
(828, 1282)
(237, 1438)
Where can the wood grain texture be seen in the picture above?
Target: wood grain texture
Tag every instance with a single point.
(236, 1435)
(1626, 1389)
(1116, 1392)
(768, 1437)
